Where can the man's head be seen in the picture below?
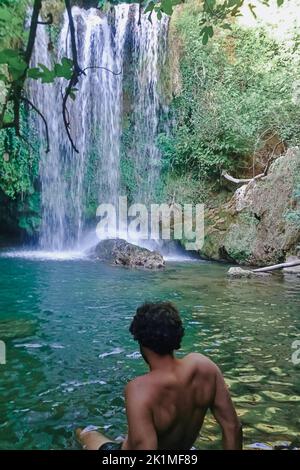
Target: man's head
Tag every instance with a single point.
(158, 327)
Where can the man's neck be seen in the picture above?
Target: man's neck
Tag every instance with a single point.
(158, 362)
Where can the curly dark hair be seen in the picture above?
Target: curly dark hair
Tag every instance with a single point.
(158, 326)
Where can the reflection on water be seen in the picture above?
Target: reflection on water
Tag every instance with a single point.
(69, 353)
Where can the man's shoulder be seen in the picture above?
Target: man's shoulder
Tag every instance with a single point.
(201, 361)
(136, 385)
(140, 392)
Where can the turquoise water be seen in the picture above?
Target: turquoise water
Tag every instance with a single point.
(69, 353)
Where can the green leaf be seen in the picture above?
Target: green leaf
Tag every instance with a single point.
(205, 38)
(226, 26)
(280, 2)
(167, 7)
(34, 73)
(6, 55)
(5, 15)
(72, 93)
(209, 5)
(66, 62)
(63, 71)
(16, 67)
(47, 75)
(210, 31)
(149, 7)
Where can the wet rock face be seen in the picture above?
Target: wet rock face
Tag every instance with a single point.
(121, 252)
(253, 227)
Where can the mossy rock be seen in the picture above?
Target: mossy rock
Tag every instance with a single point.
(252, 228)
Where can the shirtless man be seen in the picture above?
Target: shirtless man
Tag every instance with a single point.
(166, 407)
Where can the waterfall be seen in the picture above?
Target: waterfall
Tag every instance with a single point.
(150, 40)
(53, 185)
(72, 185)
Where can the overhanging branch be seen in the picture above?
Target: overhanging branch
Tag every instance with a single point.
(240, 180)
(26, 100)
(15, 91)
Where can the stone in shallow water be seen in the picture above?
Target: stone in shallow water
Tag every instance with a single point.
(240, 272)
(121, 252)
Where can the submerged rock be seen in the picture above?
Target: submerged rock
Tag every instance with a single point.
(257, 227)
(239, 272)
(121, 252)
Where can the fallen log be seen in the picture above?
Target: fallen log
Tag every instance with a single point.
(241, 180)
(277, 266)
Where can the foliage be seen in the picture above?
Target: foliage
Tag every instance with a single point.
(29, 213)
(12, 16)
(213, 13)
(128, 175)
(293, 216)
(234, 91)
(19, 166)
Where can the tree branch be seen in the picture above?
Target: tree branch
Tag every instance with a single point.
(77, 68)
(257, 177)
(241, 180)
(102, 68)
(140, 13)
(289, 264)
(26, 100)
(77, 71)
(72, 83)
(14, 94)
(32, 32)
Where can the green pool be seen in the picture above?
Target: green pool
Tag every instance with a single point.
(69, 354)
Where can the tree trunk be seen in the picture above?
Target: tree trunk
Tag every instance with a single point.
(277, 266)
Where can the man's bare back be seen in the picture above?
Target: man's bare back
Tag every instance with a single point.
(166, 407)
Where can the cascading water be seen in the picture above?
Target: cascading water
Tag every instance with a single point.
(54, 186)
(150, 40)
(70, 181)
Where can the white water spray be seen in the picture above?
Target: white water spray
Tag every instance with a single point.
(69, 181)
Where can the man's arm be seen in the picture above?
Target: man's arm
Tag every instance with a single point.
(225, 414)
(141, 431)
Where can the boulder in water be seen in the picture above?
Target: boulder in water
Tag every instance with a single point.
(240, 272)
(121, 252)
